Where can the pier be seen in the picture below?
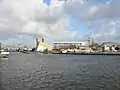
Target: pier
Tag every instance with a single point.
(90, 53)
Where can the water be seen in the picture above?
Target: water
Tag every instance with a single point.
(59, 72)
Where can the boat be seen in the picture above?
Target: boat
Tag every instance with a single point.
(3, 53)
(64, 51)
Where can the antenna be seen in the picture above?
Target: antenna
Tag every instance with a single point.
(89, 40)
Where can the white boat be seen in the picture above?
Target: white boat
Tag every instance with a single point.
(4, 53)
(64, 51)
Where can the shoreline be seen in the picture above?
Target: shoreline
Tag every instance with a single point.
(91, 53)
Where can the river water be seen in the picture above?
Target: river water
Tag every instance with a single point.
(59, 72)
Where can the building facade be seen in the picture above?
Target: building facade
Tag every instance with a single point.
(42, 46)
(69, 45)
(109, 46)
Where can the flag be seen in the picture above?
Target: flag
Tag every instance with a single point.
(46, 2)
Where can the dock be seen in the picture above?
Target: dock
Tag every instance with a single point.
(90, 53)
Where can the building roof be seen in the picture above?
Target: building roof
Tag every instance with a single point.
(46, 45)
(70, 42)
(109, 43)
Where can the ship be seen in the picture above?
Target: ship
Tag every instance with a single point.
(3, 53)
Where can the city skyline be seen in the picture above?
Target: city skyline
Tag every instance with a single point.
(23, 21)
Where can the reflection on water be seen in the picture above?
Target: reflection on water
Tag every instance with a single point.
(60, 72)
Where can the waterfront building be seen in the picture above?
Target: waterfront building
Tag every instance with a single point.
(109, 46)
(70, 45)
(42, 46)
(96, 47)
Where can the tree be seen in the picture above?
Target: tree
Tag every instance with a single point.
(117, 48)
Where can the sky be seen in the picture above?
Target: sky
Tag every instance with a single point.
(21, 21)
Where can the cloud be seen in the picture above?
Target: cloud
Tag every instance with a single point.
(36, 19)
(103, 17)
(33, 18)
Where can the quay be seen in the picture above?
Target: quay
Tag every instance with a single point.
(72, 48)
(90, 53)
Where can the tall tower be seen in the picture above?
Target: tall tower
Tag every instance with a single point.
(37, 43)
(37, 40)
(42, 40)
(89, 41)
(92, 42)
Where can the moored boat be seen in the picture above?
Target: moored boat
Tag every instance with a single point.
(3, 53)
